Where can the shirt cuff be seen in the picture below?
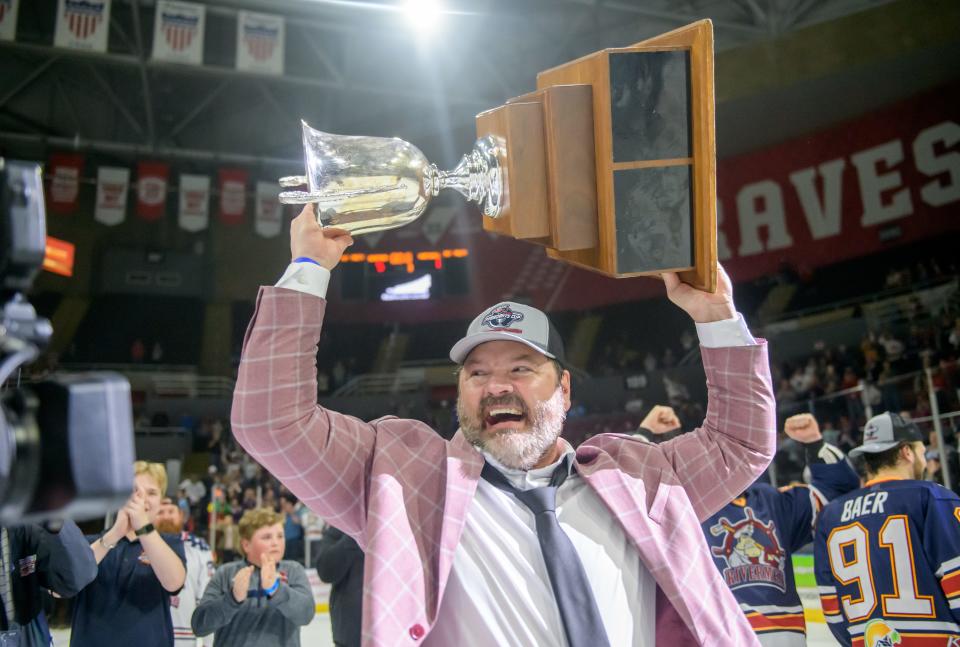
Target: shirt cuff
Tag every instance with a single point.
(725, 333)
(306, 277)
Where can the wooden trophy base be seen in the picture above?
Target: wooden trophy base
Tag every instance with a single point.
(611, 163)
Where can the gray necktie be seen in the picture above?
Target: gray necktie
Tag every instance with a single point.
(578, 609)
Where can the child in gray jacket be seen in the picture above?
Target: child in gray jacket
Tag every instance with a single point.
(262, 600)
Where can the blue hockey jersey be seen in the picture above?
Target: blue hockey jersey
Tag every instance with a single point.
(887, 563)
(752, 540)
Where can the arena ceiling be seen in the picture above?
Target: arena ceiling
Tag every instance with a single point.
(358, 67)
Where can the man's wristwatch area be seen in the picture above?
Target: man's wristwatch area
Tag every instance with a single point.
(145, 530)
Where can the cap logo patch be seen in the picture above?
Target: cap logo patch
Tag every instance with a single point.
(501, 316)
(871, 433)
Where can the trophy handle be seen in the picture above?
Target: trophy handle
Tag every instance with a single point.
(300, 197)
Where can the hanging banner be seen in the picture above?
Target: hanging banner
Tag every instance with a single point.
(194, 202)
(64, 189)
(112, 185)
(178, 32)
(151, 190)
(8, 19)
(82, 24)
(260, 41)
(233, 195)
(268, 220)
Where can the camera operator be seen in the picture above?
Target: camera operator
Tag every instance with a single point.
(35, 560)
(140, 569)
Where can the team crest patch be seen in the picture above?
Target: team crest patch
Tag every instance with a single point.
(752, 552)
(501, 316)
(27, 565)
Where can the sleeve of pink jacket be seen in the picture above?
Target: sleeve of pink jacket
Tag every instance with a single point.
(324, 457)
(718, 461)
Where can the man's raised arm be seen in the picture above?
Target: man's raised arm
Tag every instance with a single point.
(737, 440)
(322, 456)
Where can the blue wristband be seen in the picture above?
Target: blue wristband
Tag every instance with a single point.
(304, 259)
(273, 589)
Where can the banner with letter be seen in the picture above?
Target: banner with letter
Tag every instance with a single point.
(178, 32)
(268, 220)
(82, 24)
(233, 195)
(64, 174)
(260, 42)
(8, 19)
(152, 190)
(194, 202)
(112, 188)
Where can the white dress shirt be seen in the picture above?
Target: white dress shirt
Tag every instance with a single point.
(499, 592)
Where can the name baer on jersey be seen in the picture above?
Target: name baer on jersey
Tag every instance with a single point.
(887, 563)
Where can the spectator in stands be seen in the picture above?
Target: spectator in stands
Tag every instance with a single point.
(292, 526)
(170, 520)
(228, 540)
(40, 560)
(261, 601)
(340, 564)
(139, 570)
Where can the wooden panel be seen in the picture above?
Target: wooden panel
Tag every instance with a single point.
(571, 164)
(595, 70)
(592, 69)
(523, 165)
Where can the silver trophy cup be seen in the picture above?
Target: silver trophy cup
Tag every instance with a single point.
(368, 184)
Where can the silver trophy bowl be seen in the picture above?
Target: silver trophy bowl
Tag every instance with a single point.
(368, 184)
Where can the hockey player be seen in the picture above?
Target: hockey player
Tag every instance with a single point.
(887, 556)
(200, 569)
(753, 537)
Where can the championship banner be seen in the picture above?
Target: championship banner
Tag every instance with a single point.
(64, 173)
(82, 24)
(268, 220)
(260, 43)
(194, 202)
(112, 185)
(151, 190)
(8, 19)
(233, 195)
(178, 32)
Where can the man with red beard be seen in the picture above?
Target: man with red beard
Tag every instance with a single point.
(200, 569)
(505, 534)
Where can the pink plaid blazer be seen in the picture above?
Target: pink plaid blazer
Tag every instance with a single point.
(403, 492)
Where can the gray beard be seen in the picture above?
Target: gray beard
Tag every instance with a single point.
(518, 449)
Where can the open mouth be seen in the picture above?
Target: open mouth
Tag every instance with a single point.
(499, 415)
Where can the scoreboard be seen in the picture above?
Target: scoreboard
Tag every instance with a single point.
(404, 275)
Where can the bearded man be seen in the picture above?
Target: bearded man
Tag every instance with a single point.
(505, 534)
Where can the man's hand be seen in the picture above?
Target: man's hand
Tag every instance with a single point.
(803, 428)
(661, 420)
(702, 306)
(268, 571)
(241, 583)
(136, 512)
(309, 239)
